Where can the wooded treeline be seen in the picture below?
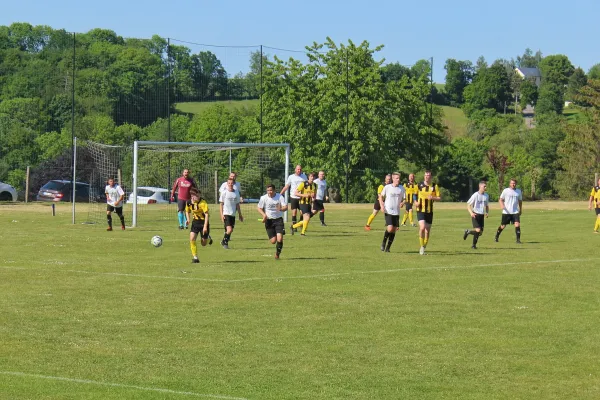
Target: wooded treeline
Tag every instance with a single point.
(343, 109)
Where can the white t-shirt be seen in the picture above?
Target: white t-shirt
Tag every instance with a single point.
(321, 188)
(479, 202)
(294, 181)
(393, 196)
(236, 185)
(511, 200)
(230, 200)
(269, 205)
(113, 194)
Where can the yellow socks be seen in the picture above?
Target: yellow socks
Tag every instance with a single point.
(404, 218)
(597, 225)
(298, 225)
(194, 248)
(304, 226)
(371, 218)
(410, 216)
(422, 241)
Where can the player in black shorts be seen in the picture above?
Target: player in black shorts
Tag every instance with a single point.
(376, 205)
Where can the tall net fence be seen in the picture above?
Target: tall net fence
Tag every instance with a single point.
(158, 165)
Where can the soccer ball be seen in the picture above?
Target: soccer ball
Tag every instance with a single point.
(156, 241)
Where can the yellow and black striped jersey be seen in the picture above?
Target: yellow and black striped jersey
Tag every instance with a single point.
(424, 204)
(410, 189)
(198, 209)
(307, 188)
(596, 195)
(379, 190)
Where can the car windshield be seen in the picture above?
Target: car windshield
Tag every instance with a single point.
(145, 193)
(53, 185)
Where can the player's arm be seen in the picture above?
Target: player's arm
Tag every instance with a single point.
(173, 190)
(283, 205)
(239, 210)
(187, 214)
(381, 198)
(592, 196)
(470, 209)
(285, 188)
(520, 207)
(436, 195)
(206, 223)
(298, 191)
(221, 211)
(487, 209)
(501, 202)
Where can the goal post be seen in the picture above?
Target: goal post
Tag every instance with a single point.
(196, 149)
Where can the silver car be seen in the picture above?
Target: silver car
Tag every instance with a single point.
(7, 192)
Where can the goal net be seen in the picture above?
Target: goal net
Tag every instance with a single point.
(147, 171)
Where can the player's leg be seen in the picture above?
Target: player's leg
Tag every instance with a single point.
(597, 224)
(109, 210)
(404, 217)
(205, 237)
(294, 204)
(305, 219)
(119, 211)
(229, 225)
(193, 247)
(392, 234)
(180, 213)
(278, 230)
(410, 217)
(505, 221)
(517, 221)
(376, 209)
(321, 210)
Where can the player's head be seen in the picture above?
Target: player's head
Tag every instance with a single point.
(396, 178)
(388, 179)
(186, 173)
(411, 177)
(195, 194)
(513, 183)
(321, 174)
(298, 169)
(233, 175)
(311, 177)
(230, 183)
(427, 176)
(271, 190)
(110, 182)
(482, 187)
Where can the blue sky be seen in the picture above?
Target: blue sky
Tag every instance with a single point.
(409, 31)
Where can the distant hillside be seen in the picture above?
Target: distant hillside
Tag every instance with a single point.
(196, 107)
(456, 121)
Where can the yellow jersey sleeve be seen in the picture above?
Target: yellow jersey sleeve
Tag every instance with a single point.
(380, 189)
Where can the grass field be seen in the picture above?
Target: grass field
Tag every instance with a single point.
(90, 314)
(196, 107)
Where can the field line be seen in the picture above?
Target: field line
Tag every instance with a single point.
(330, 275)
(119, 385)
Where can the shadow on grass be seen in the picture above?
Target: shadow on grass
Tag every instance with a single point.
(312, 258)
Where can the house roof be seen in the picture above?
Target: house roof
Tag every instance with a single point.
(529, 72)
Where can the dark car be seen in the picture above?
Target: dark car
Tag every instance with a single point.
(60, 190)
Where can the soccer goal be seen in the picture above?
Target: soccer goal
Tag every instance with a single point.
(147, 170)
(156, 165)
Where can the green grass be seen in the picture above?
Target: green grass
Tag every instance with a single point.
(456, 121)
(196, 107)
(86, 313)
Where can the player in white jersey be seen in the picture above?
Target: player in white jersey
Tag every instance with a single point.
(114, 202)
(293, 181)
(229, 204)
(511, 203)
(320, 197)
(479, 208)
(391, 201)
(271, 207)
(236, 185)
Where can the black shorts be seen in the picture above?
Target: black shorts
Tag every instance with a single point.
(478, 221)
(118, 210)
(508, 219)
(376, 205)
(294, 203)
(229, 220)
(274, 227)
(393, 220)
(198, 226)
(318, 205)
(181, 205)
(597, 211)
(408, 206)
(424, 216)
(306, 208)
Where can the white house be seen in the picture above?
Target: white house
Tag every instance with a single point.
(533, 74)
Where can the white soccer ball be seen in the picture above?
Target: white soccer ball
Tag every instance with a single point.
(156, 241)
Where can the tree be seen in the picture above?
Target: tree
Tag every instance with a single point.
(594, 72)
(529, 93)
(576, 82)
(458, 76)
(556, 69)
(490, 89)
(528, 59)
(550, 99)
(394, 72)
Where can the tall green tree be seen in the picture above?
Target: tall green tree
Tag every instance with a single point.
(576, 82)
(490, 89)
(458, 76)
(529, 59)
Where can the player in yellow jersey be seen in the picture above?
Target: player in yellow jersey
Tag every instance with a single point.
(428, 192)
(595, 201)
(196, 210)
(410, 188)
(377, 205)
(306, 191)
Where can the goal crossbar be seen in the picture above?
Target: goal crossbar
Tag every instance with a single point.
(195, 146)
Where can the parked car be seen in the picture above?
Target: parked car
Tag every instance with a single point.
(150, 195)
(61, 190)
(7, 192)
